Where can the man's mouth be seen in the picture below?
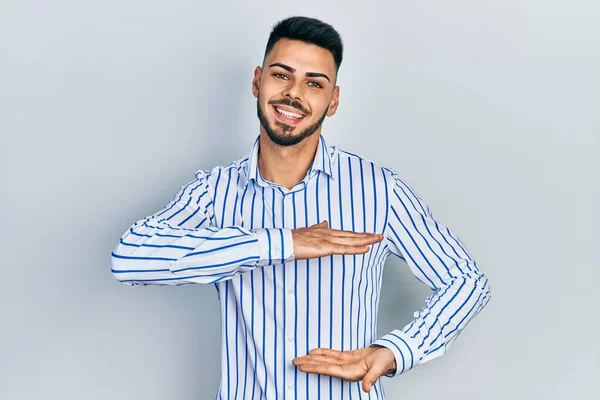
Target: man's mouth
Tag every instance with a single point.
(287, 115)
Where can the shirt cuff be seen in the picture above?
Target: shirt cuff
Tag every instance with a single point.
(275, 246)
(405, 349)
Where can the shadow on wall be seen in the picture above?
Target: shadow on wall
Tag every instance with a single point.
(401, 295)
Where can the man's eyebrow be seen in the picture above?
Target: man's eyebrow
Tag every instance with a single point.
(286, 67)
(292, 70)
(317, 75)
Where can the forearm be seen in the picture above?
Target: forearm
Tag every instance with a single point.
(153, 251)
(445, 314)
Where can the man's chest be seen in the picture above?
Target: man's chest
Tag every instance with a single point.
(344, 206)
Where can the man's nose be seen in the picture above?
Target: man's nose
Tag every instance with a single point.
(294, 90)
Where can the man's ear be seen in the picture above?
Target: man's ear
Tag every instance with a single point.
(335, 101)
(256, 81)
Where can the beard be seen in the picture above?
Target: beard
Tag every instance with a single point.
(281, 133)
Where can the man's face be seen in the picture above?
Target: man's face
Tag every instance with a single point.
(295, 91)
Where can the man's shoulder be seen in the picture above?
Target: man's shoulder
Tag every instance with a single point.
(353, 163)
(236, 170)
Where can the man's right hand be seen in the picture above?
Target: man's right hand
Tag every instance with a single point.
(319, 240)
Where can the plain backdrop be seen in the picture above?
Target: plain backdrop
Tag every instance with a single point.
(490, 110)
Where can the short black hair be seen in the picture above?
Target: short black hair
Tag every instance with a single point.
(308, 30)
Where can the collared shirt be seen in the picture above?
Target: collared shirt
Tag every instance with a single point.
(232, 228)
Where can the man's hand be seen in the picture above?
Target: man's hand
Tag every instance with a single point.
(319, 240)
(366, 364)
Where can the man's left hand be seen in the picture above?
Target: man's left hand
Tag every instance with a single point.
(366, 364)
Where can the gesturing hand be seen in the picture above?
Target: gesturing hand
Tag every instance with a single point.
(367, 364)
(319, 240)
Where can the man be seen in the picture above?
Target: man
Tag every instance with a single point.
(295, 235)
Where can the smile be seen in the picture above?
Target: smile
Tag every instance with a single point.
(287, 115)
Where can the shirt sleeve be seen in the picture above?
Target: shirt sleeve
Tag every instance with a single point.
(179, 244)
(437, 258)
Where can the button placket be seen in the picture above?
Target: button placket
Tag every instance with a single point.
(287, 213)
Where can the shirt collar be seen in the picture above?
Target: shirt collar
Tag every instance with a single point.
(323, 161)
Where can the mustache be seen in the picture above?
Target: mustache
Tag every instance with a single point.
(290, 103)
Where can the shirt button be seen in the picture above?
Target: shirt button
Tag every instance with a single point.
(291, 387)
(291, 290)
(290, 338)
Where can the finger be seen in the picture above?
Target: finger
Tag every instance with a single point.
(316, 359)
(355, 240)
(377, 370)
(368, 381)
(323, 223)
(344, 356)
(348, 372)
(326, 352)
(322, 369)
(351, 234)
(341, 249)
(341, 232)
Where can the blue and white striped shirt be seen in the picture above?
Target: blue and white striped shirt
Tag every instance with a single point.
(232, 228)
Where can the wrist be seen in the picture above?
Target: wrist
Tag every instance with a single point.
(391, 359)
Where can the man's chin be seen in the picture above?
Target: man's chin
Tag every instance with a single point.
(283, 134)
(284, 139)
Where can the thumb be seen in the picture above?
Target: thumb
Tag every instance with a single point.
(322, 223)
(371, 377)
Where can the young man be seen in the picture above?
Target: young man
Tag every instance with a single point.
(295, 235)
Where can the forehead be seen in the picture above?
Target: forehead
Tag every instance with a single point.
(302, 56)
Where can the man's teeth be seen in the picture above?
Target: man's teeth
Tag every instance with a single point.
(288, 114)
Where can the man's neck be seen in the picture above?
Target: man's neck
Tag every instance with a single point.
(286, 165)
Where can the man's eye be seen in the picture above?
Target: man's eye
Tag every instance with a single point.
(315, 84)
(280, 76)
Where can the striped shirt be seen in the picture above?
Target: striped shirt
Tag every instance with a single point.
(231, 228)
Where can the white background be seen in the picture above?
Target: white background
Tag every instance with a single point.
(490, 110)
